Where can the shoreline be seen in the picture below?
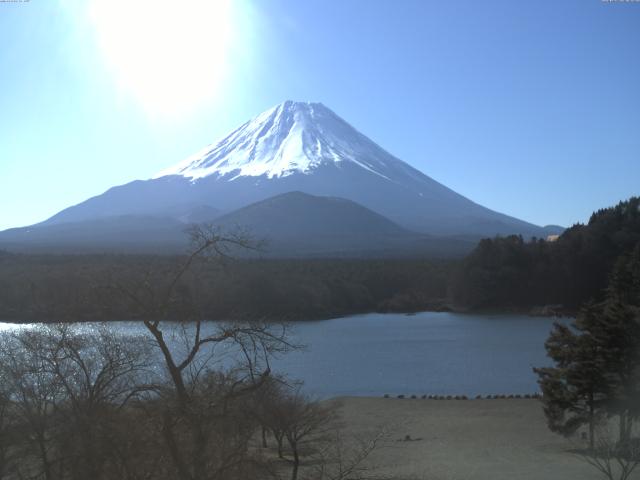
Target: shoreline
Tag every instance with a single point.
(542, 312)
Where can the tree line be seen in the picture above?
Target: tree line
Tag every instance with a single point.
(509, 272)
(45, 288)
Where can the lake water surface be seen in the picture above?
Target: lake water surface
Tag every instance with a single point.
(425, 353)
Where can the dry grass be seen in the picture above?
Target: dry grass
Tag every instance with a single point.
(464, 440)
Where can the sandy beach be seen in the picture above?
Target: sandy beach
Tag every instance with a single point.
(464, 439)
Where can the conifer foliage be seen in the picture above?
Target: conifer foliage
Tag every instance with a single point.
(596, 372)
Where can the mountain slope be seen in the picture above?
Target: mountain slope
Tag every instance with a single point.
(298, 224)
(293, 224)
(297, 214)
(305, 147)
(125, 233)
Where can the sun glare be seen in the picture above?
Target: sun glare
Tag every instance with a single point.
(169, 55)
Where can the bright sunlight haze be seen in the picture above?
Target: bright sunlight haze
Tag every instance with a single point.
(169, 55)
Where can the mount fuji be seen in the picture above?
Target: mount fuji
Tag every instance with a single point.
(292, 147)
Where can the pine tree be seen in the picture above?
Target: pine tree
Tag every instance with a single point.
(576, 389)
(597, 359)
(620, 332)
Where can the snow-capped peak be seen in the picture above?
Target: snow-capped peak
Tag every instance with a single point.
(288, 138)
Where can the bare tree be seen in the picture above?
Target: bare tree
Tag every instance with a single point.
(97, 374)
(343, 459)
(64, 389)
(34, 394)
(613, 459)
(308, 422)
(194, 405)
(293, 418)
(269, 408)
(7, 425)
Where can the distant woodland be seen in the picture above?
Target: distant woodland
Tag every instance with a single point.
(509, 272)
(503, 273)
(88, 288)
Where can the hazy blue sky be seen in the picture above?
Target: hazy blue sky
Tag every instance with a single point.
(531, 108)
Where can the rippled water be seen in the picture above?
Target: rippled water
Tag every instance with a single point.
(425, 353)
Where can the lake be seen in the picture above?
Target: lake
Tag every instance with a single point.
(424, 353)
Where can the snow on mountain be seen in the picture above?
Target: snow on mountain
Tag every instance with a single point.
(288, 138)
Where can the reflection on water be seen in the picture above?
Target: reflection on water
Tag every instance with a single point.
(425, 353)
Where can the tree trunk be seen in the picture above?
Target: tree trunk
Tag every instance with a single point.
(199, 448)
(176, 456)
(91, 465)
(280, 446)
(592, 424)
(174, 371)
(296, 461)
(46, 467)
(624, 428)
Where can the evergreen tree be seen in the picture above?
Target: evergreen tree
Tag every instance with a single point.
(597, 359)
(620, 332)
(576, 389)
